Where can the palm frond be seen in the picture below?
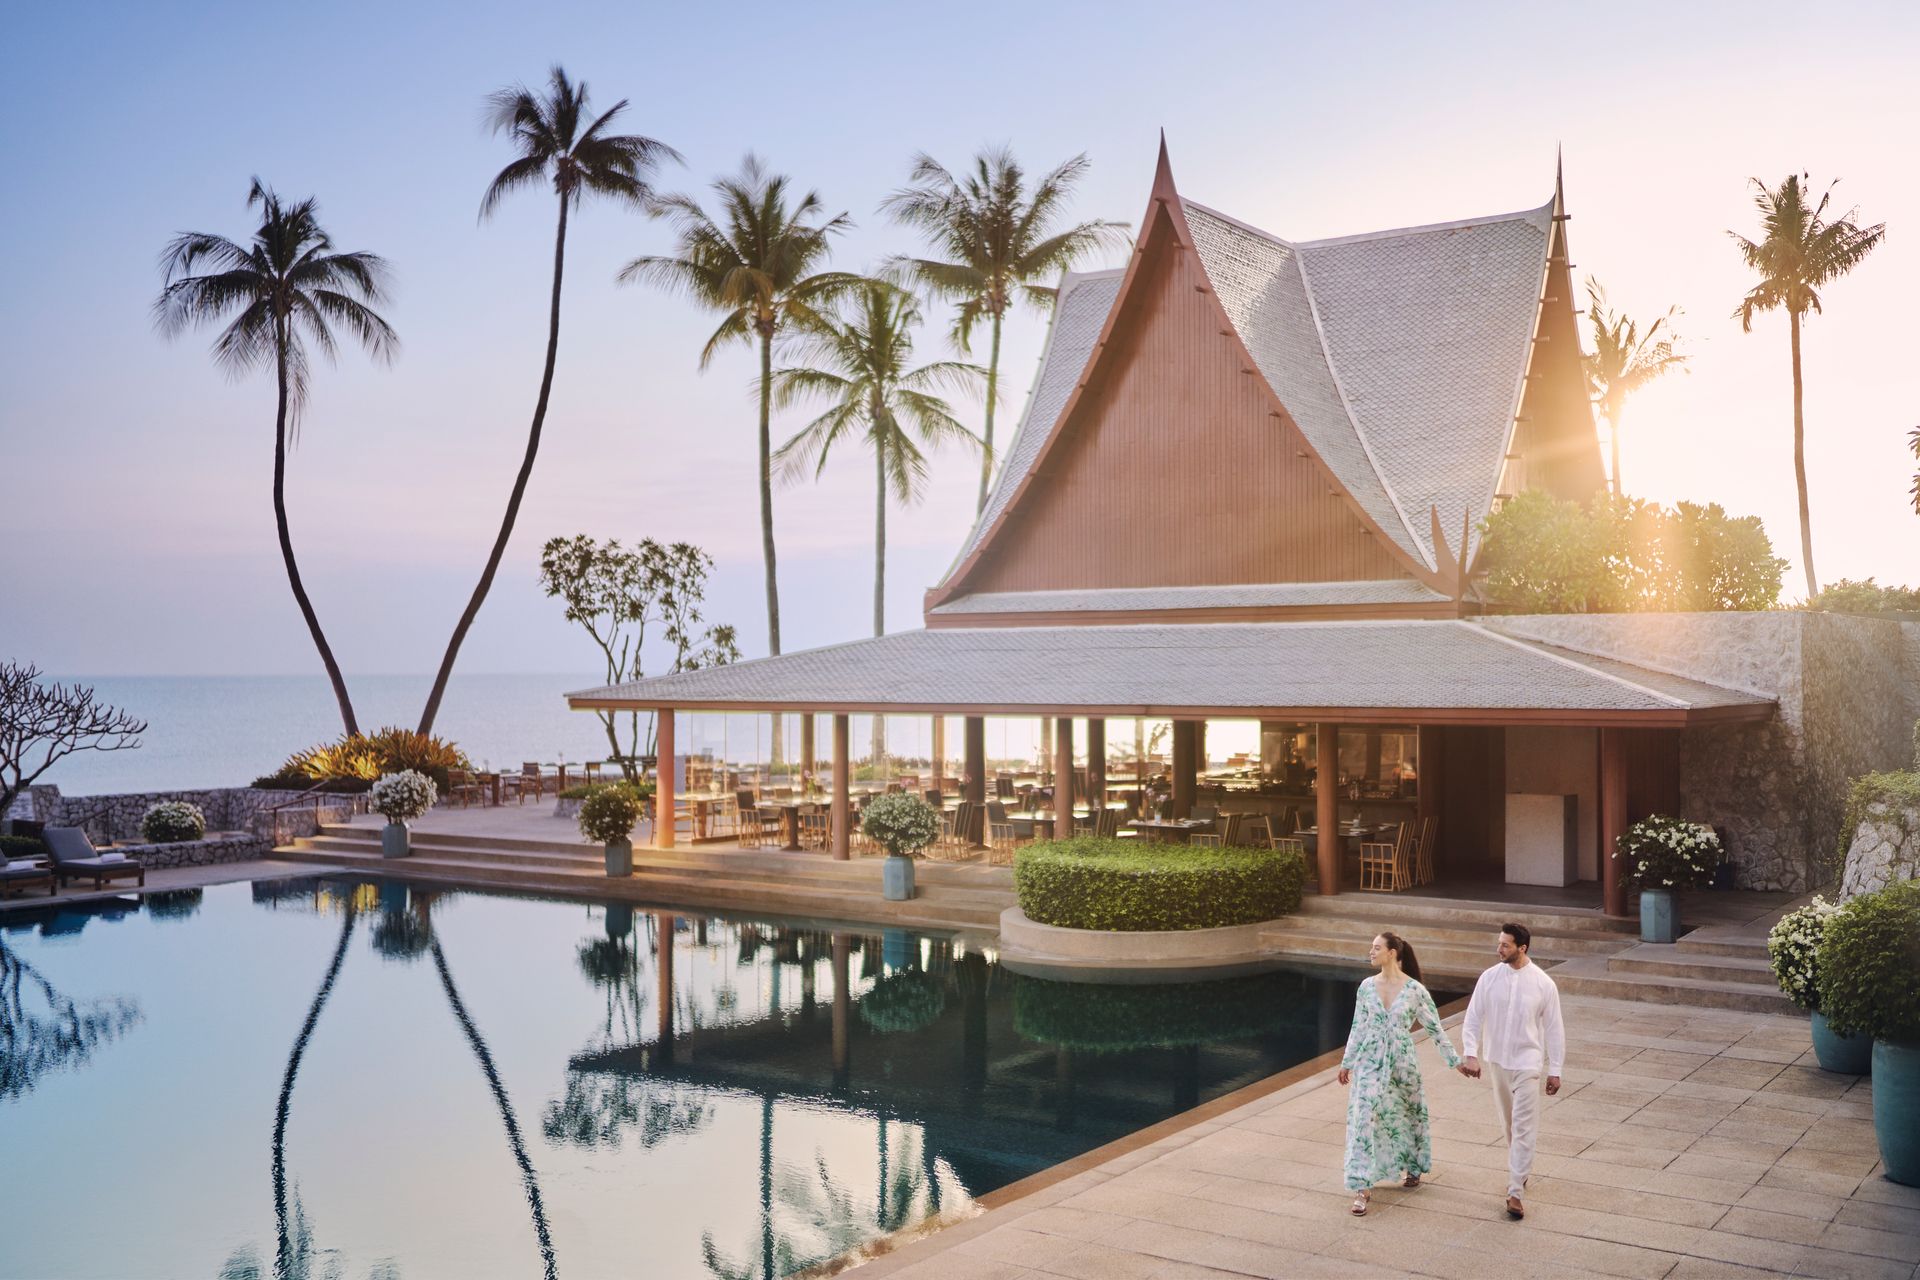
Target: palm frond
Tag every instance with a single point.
(524, 172)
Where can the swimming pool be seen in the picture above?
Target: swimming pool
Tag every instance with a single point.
(332, 1075)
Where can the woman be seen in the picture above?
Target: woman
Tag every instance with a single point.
(1387, 1133)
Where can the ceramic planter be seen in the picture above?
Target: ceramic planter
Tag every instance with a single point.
(620, 857)
(896, 878)
(1896, 1109)
(1659, 916)
(1842, 1055)
(395, 840)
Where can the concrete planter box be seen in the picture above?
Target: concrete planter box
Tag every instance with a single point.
(1098, 955)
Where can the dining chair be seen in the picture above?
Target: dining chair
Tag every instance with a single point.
(1229, 825)
(1423, 861)
(532, 779)
(816, 830)
(592, 769)
(1256, 831)
(1207, 839)
(1383, 863)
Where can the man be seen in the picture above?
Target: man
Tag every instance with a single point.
(1513, 1022)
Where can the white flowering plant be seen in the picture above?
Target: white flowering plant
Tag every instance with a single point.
(1661, 852)
(1793, 949)
(904, 824)
(404, 796)
(172, 821)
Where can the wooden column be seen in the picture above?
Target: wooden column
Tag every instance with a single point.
(1326, 803)
(976, 771)
(1096, 761)
(1613, 818)
(1185, 753)
(806, 745)
(1046, 749)
(1062, 778)
(940, 752)
(663, 799)
(1199, 746)
(842, 782)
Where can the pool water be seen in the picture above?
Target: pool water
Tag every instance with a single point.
(340, 1077)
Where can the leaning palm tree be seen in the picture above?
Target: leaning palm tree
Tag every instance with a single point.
(1799, 250)
(862, 362)
(561, 144)
(996, 238)
(758, 265)
(1623, 360)
(289, 289)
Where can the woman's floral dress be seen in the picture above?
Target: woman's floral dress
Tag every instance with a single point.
(1387, 1133)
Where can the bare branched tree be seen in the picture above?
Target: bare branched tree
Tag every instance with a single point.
(42, 722)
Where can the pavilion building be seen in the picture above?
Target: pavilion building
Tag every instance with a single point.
(1249, 484)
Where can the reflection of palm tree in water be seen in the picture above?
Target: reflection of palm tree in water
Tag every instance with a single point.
(33, 1044)
(283, 1259)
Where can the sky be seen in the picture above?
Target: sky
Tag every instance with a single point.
(135, 477)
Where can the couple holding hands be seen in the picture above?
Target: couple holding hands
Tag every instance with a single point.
(1512, 1034)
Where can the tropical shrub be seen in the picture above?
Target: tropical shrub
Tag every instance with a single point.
(364, 757)
(14, 848)
(1867, 596)
(905, 1000)
(1120, 1017)
(1095, 882)
(609, 812)
(1661, 852)
(404, 796)
(902, 824)
(1793, 949)
(172, 821)
(1868, 959)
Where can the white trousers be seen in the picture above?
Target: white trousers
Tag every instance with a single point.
(1517, 1096)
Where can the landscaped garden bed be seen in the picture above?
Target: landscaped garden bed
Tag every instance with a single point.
(1123, 886)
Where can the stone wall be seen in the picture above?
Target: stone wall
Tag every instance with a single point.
(222, 847)
(244, 809)
(1848, 690)
(1885, 849)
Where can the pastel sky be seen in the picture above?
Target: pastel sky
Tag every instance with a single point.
(134, 477)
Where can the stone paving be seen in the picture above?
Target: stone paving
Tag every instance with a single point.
(1686, 1143)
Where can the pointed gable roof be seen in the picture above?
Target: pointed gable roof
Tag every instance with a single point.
(1401, 356)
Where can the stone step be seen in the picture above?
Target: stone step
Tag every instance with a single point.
(1389, 908)
(933, 908)
(1456, 963)
(1722, 940)
(1591, 976)
(1474, 938)
(1670, 961)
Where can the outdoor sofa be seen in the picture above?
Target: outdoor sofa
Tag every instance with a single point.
(75, 858)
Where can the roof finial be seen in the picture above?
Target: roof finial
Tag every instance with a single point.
(1163, 169)
(1559, 178)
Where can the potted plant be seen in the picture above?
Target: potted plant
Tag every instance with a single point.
(1662, 855)
(607, 816)
(1868, 959)
(172, 822)
(1793, 948)
(401, 798)
(904, 825)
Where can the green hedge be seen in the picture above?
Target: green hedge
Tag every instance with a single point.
(1869, 955)
(22, 847)
(1091, 882)
(1121, 1017)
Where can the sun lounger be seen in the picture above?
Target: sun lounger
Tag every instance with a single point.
(75, 858)
(20, 874)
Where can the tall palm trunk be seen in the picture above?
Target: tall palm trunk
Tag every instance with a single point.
(1613, 439)
(766, 518)
(519, 482)
(986, 436)
(1800, 460)
(286, 541)
(879, 579)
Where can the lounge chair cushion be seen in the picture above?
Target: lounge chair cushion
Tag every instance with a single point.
(23, 871)
(68, 844)
(23, 864)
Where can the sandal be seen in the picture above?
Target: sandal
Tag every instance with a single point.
(1413, 1180)
(1359, 1209)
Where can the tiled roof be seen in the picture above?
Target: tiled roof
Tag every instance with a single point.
(1249, 596)
(1079, 311)
(1157, 668)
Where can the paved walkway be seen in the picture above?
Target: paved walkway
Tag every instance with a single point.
(1687, 1143)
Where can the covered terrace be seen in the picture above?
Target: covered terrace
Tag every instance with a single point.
(1350, 712)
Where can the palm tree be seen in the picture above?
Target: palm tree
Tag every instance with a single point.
(997, 238)
(861, 361)
(289, 288)
(758, 265)
(561, 144)
(1799, 250)
(1623, 360)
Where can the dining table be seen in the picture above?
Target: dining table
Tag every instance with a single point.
(1172, 830)
(1351, 837)
(789, 822)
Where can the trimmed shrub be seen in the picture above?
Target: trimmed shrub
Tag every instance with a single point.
(172, 822)
(1119, 1017)
(1093, 882)
(905, 1000)
(609, 812)
(22, 847)
(1868, 959)
(902, 824)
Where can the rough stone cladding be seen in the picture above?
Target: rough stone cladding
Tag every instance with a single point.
(1885, 849)
(1845, 690)
(117, 817)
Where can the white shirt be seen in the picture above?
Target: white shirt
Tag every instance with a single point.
(1513, 1020)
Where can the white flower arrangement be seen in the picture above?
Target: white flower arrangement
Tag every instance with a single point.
(172, 821)
(1668, 853)
(404, 796)
(904, 824)
(1793, 949)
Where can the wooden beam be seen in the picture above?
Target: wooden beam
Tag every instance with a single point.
(1326, 803)
(663, 798)
(806, 745)
(842, 809)
(1063, 778)
(976, 770)
(939, 752)
(1097, 760)
(1185, 751)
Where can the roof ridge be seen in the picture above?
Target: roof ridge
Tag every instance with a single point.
(1553, 654)
(1654, 667)
(1517, 215)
